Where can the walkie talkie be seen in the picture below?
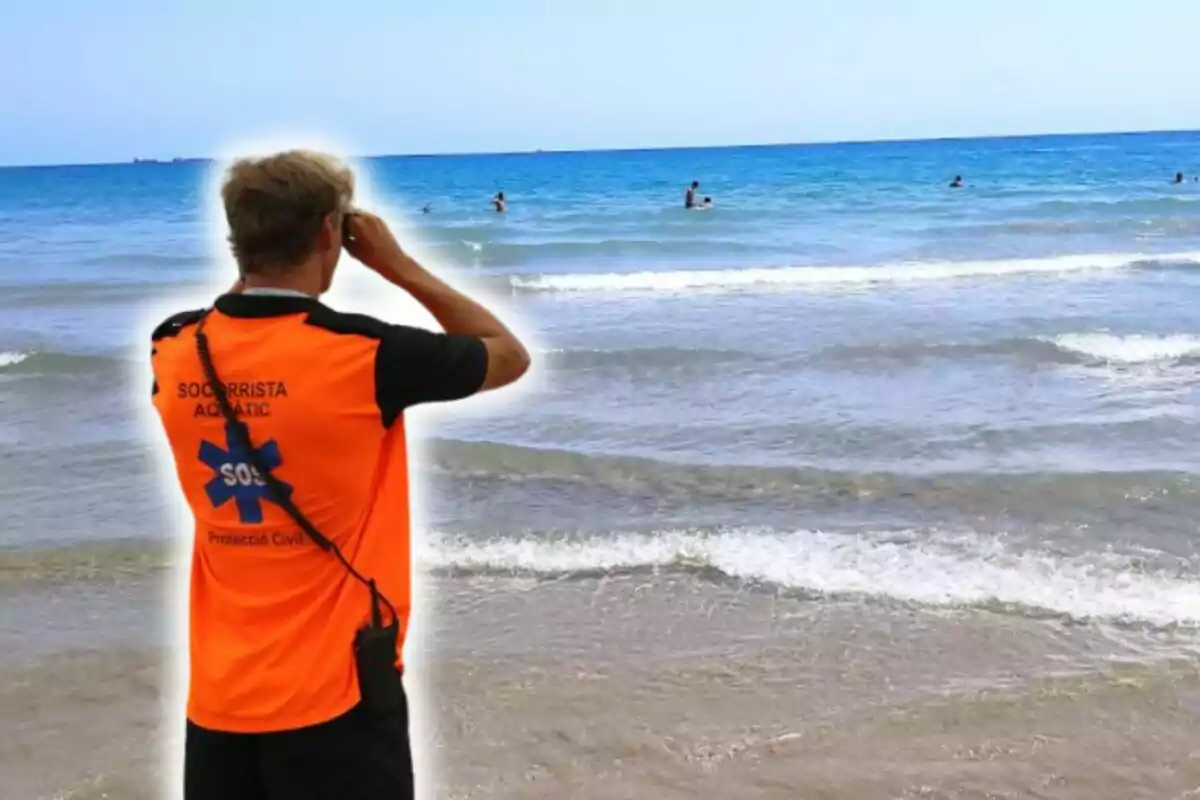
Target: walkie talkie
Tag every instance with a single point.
(379, 682)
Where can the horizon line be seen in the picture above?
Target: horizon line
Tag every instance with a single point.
(641, 149)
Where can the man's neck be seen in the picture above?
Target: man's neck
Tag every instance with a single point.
(298, 283)
(272, 291)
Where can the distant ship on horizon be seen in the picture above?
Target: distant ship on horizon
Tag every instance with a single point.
(175, 160)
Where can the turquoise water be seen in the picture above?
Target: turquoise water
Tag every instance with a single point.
(844, 360)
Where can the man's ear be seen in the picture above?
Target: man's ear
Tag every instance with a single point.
(329, 232)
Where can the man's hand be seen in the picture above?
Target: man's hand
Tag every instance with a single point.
(372, 243)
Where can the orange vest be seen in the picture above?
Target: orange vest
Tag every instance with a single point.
(273, 617)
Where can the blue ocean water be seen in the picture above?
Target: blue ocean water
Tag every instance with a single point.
(996, 382)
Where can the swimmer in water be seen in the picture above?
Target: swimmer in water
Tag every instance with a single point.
(957, 183)
(689, 197)
(1178, 177)
(706, 205)
(500, 203)
(426, 208)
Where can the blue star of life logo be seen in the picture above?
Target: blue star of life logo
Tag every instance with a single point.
(236, 477)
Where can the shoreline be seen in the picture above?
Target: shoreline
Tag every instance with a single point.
(1135, 593)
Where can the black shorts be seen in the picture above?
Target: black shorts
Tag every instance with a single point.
(353, 757)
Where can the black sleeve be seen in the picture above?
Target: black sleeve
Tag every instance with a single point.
(172, 325)
(414, 366)
(169, 328)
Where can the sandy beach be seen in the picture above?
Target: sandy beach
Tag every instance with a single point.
(627, 688)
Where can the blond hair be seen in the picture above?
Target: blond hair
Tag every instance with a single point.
(276, 205)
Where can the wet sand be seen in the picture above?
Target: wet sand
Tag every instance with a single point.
(652, 686)
(84, 724)
(730, 693)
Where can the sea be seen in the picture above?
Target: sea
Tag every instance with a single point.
(852, 485)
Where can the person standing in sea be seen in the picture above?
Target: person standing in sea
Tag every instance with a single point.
(286, 420)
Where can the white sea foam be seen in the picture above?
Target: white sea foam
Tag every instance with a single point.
(1133, 349)
(841, 275)
(906, 566)
(9, 358)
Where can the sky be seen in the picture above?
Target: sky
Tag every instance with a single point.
(83, 81)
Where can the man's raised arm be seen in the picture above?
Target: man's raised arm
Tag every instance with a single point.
(372, 244)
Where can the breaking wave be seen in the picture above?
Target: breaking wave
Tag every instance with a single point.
(820, 276)
(907, 566)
